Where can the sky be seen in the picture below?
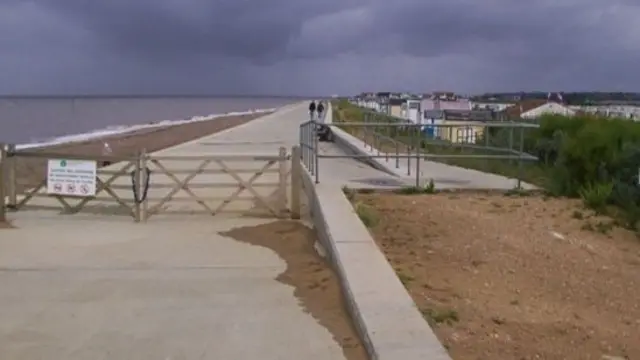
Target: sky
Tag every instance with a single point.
(317, 47)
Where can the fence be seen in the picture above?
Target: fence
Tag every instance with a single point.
(402, 140)
(144, 185)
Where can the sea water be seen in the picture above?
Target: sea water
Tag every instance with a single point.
(42, 121)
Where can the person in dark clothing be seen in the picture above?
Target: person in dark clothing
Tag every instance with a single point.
(312, 109)
(320, 110)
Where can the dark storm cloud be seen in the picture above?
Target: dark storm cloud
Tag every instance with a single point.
(255, 46)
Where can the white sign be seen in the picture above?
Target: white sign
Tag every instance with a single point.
(71, 177)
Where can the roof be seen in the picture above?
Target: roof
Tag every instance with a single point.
(460, 115)
(523, 106)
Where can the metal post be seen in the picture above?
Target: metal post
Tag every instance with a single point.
(308, 147)
(300, 137)
(364, 136)
(486, 136)
(520, 158)
(283, 170)
(296, 183)
(304, 146)
(310, 136)
(315, 155)
(511, 141)
(418, 151)
(408, 155)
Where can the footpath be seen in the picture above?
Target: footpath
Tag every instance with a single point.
(91, 286)
(350, 172)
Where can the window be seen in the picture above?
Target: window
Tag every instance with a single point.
(466, 135)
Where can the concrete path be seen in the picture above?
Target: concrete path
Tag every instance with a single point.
(351, 172)
(91, 286)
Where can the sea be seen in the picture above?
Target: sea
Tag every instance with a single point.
(41, 121)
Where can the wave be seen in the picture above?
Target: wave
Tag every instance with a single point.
(123, 129)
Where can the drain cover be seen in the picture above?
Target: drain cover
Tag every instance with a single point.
(380, 182)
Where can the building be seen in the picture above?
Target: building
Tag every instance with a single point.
(490, 105)
(620, 109)
(445, 101)
(458, 130)
(395, 107)
(534, 108)
(411, 111)
(382, 99)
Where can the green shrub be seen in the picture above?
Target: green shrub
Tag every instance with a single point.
(596, 196)
(367, 215)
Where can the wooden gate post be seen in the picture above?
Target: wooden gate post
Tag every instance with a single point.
(10, 177)
(137, 176)
(296, 182)
(3, 181)
(143, 167)
(283, 170)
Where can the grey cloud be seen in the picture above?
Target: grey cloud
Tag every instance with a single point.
(319, 46)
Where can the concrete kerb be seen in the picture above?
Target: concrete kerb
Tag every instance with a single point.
(388, 321)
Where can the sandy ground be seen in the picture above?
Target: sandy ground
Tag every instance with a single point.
(30, 171)
(514, 277)
(316, 285)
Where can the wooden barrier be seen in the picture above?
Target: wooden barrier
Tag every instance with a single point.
(276, 206)
(180, 179)
(3, 205)
(123, 165)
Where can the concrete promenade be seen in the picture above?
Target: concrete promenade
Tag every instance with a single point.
(90, 286)
(350, 172)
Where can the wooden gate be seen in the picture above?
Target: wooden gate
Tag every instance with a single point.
(26, 183)
(145, 185)
(213, 184)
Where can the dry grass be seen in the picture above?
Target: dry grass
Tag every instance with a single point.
(514, 277)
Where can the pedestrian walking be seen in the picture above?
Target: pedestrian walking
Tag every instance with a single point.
(312, 110)
(320, 111)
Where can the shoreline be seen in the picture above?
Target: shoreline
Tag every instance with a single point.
(31, 171)
(118, 130)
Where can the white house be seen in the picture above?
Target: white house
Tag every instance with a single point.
(548, 108)
(495, 106)
(411, 111)
(621, 111)
(534, 108)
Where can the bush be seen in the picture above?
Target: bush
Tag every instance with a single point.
(595, 158)
(597, 196)
(367, 215)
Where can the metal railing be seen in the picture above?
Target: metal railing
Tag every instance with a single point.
(402, 140)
